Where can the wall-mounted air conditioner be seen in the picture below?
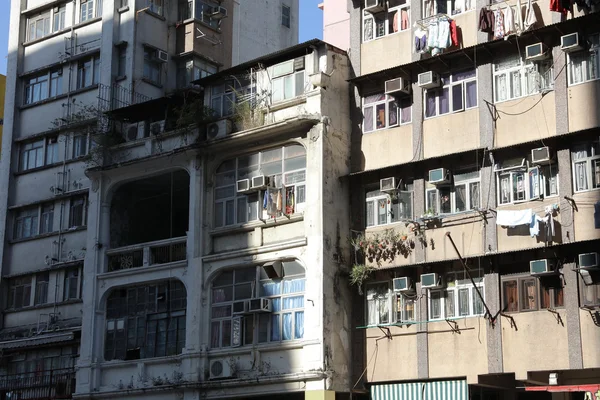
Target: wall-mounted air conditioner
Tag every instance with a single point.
(439, 176)
(429, 80)
(374, 6)
(157, 127)
(387, 184)
(570, 42)
(162, 55)
(535, 52)
(218, 12)
(273, 269)
(541, 267)
(588, 260)
(218, 129)
(431, 281)
(402, 284)
(259, 305)
(260, 182)
(540, 155)
(219, 369)
(242, 186)
(240, 307)
(134, 131)
(398, 86)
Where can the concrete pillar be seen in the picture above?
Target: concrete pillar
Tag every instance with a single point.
(422, 337)
(565, 188)
(486, 113)
(417, 123)
(418, 210)
(494, 334)
(560, 91)
(572, 310)
(488, 200)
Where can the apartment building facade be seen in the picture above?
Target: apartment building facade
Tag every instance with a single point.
(464, 123)
(69, 63)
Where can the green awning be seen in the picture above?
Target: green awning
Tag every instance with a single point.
(438, 390)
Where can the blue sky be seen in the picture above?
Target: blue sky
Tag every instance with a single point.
(311, 25)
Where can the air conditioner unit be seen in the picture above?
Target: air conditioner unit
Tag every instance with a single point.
(218, 13)
(219, 129)
(273, 269)
(588, 260)
(219, 369)
(158, 127)
(570, 42)
(243, 186)
(240, 307)
(536, 52)
(429, 80)
(395, 87)
(135, 131)
(260, 182)
(387, 184)
(162, 55)
(259, 305)
(374, 6)
(402, 284)
(439, 176)
(540, 155)
(431, 281)
(541, 267)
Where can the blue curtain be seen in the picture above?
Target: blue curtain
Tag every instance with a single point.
(287, 326)
(293, 302)
(293, 286)
(270, 288)
(275, 334)
(299, 334)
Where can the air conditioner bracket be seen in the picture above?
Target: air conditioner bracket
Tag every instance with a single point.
(386, 331)
(453, 325)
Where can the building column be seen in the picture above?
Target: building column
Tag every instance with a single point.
(422, 337)
(560, 91)
(494, 334)
(571, 295)
(418, 210)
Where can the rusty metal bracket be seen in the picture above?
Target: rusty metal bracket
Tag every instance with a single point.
(453, 325)
(386, 331)
(557, 316)
(513, 324)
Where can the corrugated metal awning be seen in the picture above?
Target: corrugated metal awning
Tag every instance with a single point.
(438, 390)
(37, 341)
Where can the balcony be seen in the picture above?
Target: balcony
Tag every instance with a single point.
(54, 384)
(147, 254)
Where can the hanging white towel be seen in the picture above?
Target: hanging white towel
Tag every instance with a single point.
(534, 227)
(509, 21)
(514, 218)
(443, 41)
(550, 221)
(530, 18)
(519, 21)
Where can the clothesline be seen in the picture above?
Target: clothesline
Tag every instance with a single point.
(424, 23)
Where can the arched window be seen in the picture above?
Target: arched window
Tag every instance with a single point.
(286, 168)
(247, 307)
(145, 321)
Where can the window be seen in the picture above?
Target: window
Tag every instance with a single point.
(203, 13)
(38, 89)
(222, 100)
(459, 92)
(583, 65)
(463, 195)
(514, 78)
(586, 166)
(193, 70)
(185, 9)
(86, 11)
(517, 182)
(385, 306)
(42, 363)
(99, 8)
(80, 145)
(19, 292)
(152, 65)
(288, 80)
(285, 15)
(51, 150)
(32, 155)
(383, 23)
(121, 61)
(458, 299)
(77, 212)
(58, 18)
(285, 166)
(41, 288)
(47, 218)
(284, 322)
(383, 208)
(71, 286)
(528, 293)
(381, 111)
(450, 7)
(27, 223)
(156, 6)
(38, 26)
(145, 321)
(88, 72)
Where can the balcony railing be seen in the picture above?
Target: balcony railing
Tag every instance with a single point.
(54, 384)
(147, 254)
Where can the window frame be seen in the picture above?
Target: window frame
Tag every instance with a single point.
(449, 83)
(467, 182)
(587, 62)
(31, 214)
(591, 162)
(80, 141)
(524, 69)
(278, 94)
(286, 20)
(527, 172)
(47, 218)
(75, 203)
(88, 68)
(24, 285)
(47, 85)
(374, 200)
(450, 4)
(540, 285)
(156, 6)
(389, 102)
(86, 10)
(456, 286)
(42, 282)
(396, 303)
(26, 149)
(72, 283)
(369, 17)
(225, 95)
(152, 67)
(46, 19)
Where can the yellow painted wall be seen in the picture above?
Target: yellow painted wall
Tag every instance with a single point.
(386, 52)
(387, 147)
(590, 340)
(458, 132)
(583, 100)
(2, 94)
(394, 359)
(583, 217)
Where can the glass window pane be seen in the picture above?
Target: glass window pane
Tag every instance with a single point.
(435, 305)
(474, 196)
(477, 303)
(518, 186)
(510, 296)
(444, 101)
(449, 303)
(445, 203)
(457, 97)
(299, 83)
(288, 87)
(471, 94)
(380, 118)
(463, 302)
(368, 119)
(528, 295)
(460, 198)
(382, 212)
